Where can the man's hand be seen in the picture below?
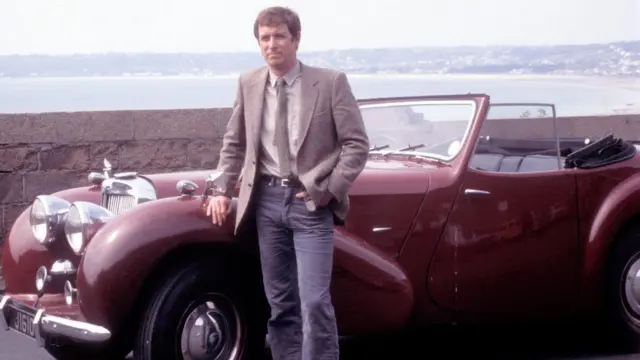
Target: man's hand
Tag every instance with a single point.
(218, 208)
(324, 201)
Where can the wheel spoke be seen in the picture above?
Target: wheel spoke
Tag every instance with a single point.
(211, 331)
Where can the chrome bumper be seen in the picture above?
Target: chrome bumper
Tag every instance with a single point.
(45, 326)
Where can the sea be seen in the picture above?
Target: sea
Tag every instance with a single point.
(572, 95)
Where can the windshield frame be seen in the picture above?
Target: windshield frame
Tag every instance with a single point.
(553, 117)
(427, 102)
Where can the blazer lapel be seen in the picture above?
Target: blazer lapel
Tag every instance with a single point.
(254, 105)
(309, 96)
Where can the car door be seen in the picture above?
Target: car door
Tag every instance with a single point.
(510, 243)
(408, 184)
(387, 195)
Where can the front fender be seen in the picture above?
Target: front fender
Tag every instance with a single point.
(122, 253)
(371, 292)
(620, 205)
(22, 255)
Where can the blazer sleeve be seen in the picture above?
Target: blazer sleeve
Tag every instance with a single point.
(351, 136)
(233, 144)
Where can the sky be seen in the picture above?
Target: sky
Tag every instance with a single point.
(91, 26)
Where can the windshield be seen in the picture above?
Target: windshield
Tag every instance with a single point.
(430, 128)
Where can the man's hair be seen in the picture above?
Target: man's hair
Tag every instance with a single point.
(276, 15)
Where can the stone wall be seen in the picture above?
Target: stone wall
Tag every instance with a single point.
(47, 152)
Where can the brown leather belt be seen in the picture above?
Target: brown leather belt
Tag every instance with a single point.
(276, 181)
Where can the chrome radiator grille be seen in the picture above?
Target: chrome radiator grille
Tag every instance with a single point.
(117, 203)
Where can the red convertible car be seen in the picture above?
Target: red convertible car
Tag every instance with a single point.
(467, 211)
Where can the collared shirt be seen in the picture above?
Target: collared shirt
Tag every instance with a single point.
(268, 151)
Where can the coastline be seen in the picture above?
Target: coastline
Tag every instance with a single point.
(626, 83)
(466, 76)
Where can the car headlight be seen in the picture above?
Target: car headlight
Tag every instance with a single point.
(47, 217)
(83, 221)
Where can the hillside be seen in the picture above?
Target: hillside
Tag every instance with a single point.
(612, 59)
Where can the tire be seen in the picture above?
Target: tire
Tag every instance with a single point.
(622, 305)
(226, 293)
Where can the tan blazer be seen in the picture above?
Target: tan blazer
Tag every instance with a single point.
(334, 145)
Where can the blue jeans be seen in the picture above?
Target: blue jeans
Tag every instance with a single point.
(296, 251)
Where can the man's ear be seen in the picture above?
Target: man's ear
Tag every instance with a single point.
(297, 40)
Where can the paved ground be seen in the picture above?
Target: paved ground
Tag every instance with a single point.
(545, 343)
(574, 341)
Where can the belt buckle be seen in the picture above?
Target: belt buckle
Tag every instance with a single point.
(284, 182)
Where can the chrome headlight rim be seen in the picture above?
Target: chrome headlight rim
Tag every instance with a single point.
(83, 221)
(47, 218)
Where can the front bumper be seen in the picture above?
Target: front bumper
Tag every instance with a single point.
(36, 324)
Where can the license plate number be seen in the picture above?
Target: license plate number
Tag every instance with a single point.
(22, 322)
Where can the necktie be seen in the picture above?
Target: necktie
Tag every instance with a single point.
(282, 130)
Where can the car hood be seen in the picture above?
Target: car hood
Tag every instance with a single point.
(378, 175)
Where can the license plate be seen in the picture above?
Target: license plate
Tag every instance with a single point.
(21, 320)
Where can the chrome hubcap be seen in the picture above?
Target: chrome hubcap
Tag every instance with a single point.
(211, 331)
(632, 287)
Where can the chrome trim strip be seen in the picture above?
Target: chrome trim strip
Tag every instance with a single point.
(3, 319)
(73, 329)
(36, 320)
(49, 325)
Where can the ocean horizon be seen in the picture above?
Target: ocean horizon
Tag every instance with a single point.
(572, 95)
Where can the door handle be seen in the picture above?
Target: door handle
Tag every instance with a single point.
(381, 229)
(476, 192)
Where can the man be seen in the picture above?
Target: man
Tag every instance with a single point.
(297, 137)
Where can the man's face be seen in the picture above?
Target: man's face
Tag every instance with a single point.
(277, 45)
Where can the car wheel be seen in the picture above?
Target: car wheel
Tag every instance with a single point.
(623, 290)
(205, 310)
